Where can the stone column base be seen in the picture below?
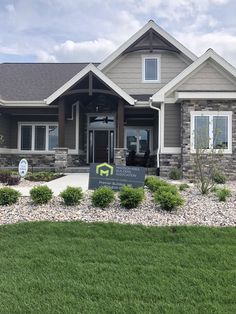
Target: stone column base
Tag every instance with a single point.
(61, 155)
(120, 156)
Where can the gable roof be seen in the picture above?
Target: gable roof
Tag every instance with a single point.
(150, 25)
(90, 68)
(34, 81)
(210, 54)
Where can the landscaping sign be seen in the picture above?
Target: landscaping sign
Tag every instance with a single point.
(23, 167)
(115, 176)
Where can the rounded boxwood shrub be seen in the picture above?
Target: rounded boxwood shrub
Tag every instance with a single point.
(8, 196)
(175, 174)
(219, 177)
(168, 200)
(103, 196)
(153, 183)
(131, 197)
(41, 194)
(168, 188)
(72, 195)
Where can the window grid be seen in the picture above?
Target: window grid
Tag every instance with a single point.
(33, 144)
(211, 116)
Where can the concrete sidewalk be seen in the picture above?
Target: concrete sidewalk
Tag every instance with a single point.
(58, 185)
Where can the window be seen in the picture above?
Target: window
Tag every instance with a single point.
(151, 69)
(211, 130)
(138, 139)
(103, 122)
(38, 136)
(26, 137)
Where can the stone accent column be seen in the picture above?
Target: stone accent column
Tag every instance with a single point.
(120, 156)
(186, 157)
(61, 155)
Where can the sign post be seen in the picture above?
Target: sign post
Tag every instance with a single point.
(115, 176)
(23, 168)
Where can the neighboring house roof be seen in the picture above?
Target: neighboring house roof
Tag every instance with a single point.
(100, 75)
(150, 25)
(210, 54)
(34, 81)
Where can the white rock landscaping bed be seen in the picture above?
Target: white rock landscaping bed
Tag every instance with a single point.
(198, 210)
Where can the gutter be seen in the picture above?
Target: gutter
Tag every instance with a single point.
(159, 133)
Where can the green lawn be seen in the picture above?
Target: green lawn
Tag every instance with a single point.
(109, 268)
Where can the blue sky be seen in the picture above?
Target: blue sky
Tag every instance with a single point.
(78, 30)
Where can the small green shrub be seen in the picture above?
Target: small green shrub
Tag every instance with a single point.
(219, 178)
(168, 200)
(223, 194)
(183, 186)
(8, 196)
(153, 183)
(41, 194)
(72, 195)
(103, 196)
(131, 197)
(168, 188)
(44, 176)
(175, 174)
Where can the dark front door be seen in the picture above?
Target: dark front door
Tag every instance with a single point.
(101, 143)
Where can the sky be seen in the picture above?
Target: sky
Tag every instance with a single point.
(89, 30)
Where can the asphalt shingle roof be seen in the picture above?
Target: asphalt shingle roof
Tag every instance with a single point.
(34, 81)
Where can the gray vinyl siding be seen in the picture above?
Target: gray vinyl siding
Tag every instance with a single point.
(127, 73)
(208, 78)
(5, 130)
(172, 125)
(70, 127)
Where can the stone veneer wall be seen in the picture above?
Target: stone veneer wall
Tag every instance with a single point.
(34, 160)
(169, 161)
(228, 161)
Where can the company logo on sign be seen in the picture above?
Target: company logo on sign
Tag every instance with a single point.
(104, 170)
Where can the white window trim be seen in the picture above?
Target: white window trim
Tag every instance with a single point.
(158, 57)
(140, 128)
(33, 125)
(211, 114)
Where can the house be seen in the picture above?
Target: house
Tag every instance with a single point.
(143, 105)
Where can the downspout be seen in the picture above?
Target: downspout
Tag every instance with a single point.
(159, 133)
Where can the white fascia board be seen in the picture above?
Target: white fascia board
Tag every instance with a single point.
(23, 103)
(137, 35)
(205, 95)
(209, 54)
(81, 74)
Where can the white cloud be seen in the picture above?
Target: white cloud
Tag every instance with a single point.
(10, 8)
(43, 56)
(222, 42)
(67, 31)
(94, 50)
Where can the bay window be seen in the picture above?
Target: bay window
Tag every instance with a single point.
(211, 130)
(138, 139)
(38, 136)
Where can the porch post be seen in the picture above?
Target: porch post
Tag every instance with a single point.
(61, 153)
(61, 122)
(120, 151)
(120, 124)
